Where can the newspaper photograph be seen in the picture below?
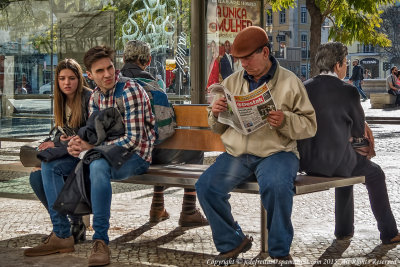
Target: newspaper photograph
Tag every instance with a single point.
(245, 113)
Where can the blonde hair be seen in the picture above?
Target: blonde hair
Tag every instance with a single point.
(60, 99)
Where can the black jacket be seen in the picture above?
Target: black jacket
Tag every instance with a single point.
(131, 70)
(339, 116)
(358, 73)
(103, 125)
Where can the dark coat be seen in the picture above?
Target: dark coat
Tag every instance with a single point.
(225, 67)
(103, 125)
(339, 117)
(358, 73)
(131, 70)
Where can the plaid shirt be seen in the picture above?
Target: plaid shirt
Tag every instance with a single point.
(138, 118)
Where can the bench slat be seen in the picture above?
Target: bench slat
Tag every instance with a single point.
(308, 184)
(193, 139)
(187, 175)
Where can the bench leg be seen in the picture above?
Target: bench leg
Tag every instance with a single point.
(264, 231)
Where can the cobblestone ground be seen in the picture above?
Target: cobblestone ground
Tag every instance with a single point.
(135, 242)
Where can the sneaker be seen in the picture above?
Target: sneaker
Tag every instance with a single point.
(100, 254)
(158, 215)
(192, 220)
(229, 257)
(53, 244)
(394, 240)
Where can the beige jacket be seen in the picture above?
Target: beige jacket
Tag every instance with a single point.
(291, 97)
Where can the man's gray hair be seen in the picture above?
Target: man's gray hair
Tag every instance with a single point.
(329, 54)
(136, 51)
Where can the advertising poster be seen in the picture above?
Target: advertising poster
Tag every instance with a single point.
(225, 18)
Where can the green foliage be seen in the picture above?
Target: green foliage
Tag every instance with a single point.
(357, 21)
(42, 41)
(281, 4)
(352, 20)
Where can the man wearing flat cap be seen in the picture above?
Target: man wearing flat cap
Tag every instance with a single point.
(268, 155)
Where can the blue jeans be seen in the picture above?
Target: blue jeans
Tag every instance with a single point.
(357, 84)
(35, 179)
(275, 175)
(101, 174)
(53, 173)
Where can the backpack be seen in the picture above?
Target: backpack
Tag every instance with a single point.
(160, 106)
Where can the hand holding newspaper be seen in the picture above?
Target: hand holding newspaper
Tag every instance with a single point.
(245, 113)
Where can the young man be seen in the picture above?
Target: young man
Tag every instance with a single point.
(357, 78)
(137, 58)
(138, 139)
(269, 154)
(340, 118)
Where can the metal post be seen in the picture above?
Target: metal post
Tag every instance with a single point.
(197, 58)
(264, 230)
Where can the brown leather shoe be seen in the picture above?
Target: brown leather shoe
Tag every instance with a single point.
(192, 220)
(394, 240)
(100, 254)
(229, 257)
(158, 215)
(53, 244)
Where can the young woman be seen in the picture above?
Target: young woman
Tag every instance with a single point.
(71, 98)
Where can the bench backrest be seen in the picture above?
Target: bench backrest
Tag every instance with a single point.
(193, 132)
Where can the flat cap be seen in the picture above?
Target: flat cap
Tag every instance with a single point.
(249, 40)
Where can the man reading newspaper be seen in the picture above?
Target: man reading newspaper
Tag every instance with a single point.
(268, 154)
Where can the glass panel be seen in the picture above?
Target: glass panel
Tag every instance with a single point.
(224, 21)
(25, 65)
(165, 25)
(33, 36)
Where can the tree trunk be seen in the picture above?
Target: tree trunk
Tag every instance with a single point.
(315, 33)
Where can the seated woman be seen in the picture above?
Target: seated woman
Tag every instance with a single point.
(343, 144)
(71, 98)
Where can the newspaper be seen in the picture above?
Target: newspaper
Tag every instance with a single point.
(245, 113)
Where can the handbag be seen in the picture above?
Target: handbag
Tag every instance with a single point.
(28, 156)
(74, 198)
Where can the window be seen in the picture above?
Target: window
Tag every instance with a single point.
(304, 46)
(304, 70)
(303, 14)
(269, 17)
(282, 16)
(368, 49)
(280, 38)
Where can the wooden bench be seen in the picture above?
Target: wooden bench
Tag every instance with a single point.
(382, 100)
(193, 133)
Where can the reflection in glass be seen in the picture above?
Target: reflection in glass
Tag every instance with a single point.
(165, 25)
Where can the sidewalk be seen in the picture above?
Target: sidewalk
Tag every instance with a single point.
(135, 242)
